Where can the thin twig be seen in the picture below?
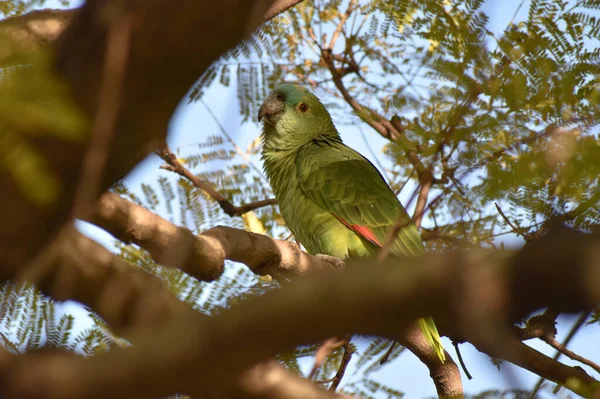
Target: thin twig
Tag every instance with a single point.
(387, 355)
(563, 349)
(426, 183)
(237, 148)
(343, 18)
(328, 346)
(461, 361)
(175, 166)
(342, 369)
(516, 229)
(378, 122)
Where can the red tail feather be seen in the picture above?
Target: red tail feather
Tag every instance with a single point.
(363, 231)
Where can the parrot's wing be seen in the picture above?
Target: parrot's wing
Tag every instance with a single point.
(347, 185)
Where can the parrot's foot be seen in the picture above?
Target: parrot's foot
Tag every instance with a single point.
(334, 261)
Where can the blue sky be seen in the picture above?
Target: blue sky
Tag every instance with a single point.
(192, 123)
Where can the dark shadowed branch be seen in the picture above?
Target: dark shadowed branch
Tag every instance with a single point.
(131, 300)
(132, 223)
(200, 353)
(165, 57)
(346, 357)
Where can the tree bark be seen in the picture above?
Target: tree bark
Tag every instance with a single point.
(199, 353)
(171, 44)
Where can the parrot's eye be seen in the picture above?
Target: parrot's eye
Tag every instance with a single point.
(302, 107)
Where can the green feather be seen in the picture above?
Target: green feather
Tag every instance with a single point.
(319, 181)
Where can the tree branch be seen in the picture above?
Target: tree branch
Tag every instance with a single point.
(37, 29)
(30, 32)
(133, 223)
(337, 379)
(167, 58)
(445, 376)
(130, 300)
(175, 166)
(205, 254)
(278, 7)
(576, 326)
(569, 353)
(561, 270)
(426, 180)
(514, 228)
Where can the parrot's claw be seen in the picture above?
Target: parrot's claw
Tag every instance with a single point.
(334, 261)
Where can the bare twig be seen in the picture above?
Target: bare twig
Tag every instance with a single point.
(516, 229)
(342, 369)
(544, 328)
(384, 359)
(328, 346)
(383, 126)
(343, 18)
(569, 353)
(461, 361)
(230, 209)
(426, 180)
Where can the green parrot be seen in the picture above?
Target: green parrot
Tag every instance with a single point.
(333, 199)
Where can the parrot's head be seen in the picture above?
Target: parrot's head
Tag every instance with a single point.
(293, 116)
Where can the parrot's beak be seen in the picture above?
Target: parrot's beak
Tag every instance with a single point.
(272, 108)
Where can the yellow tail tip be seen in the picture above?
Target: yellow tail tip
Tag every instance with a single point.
(433, 337)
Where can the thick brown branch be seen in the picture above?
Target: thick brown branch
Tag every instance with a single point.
(560, 270)
(230, 209)
(445, 376)
(129, 299)
(206, 253)
(30, 32)
(38, 28)
(167, 58)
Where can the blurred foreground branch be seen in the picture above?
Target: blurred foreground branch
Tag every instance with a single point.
(203, 257)
(131, 300)
(166, 57)
(561, 270)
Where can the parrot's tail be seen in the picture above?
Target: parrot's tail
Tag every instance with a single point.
(433, 337)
